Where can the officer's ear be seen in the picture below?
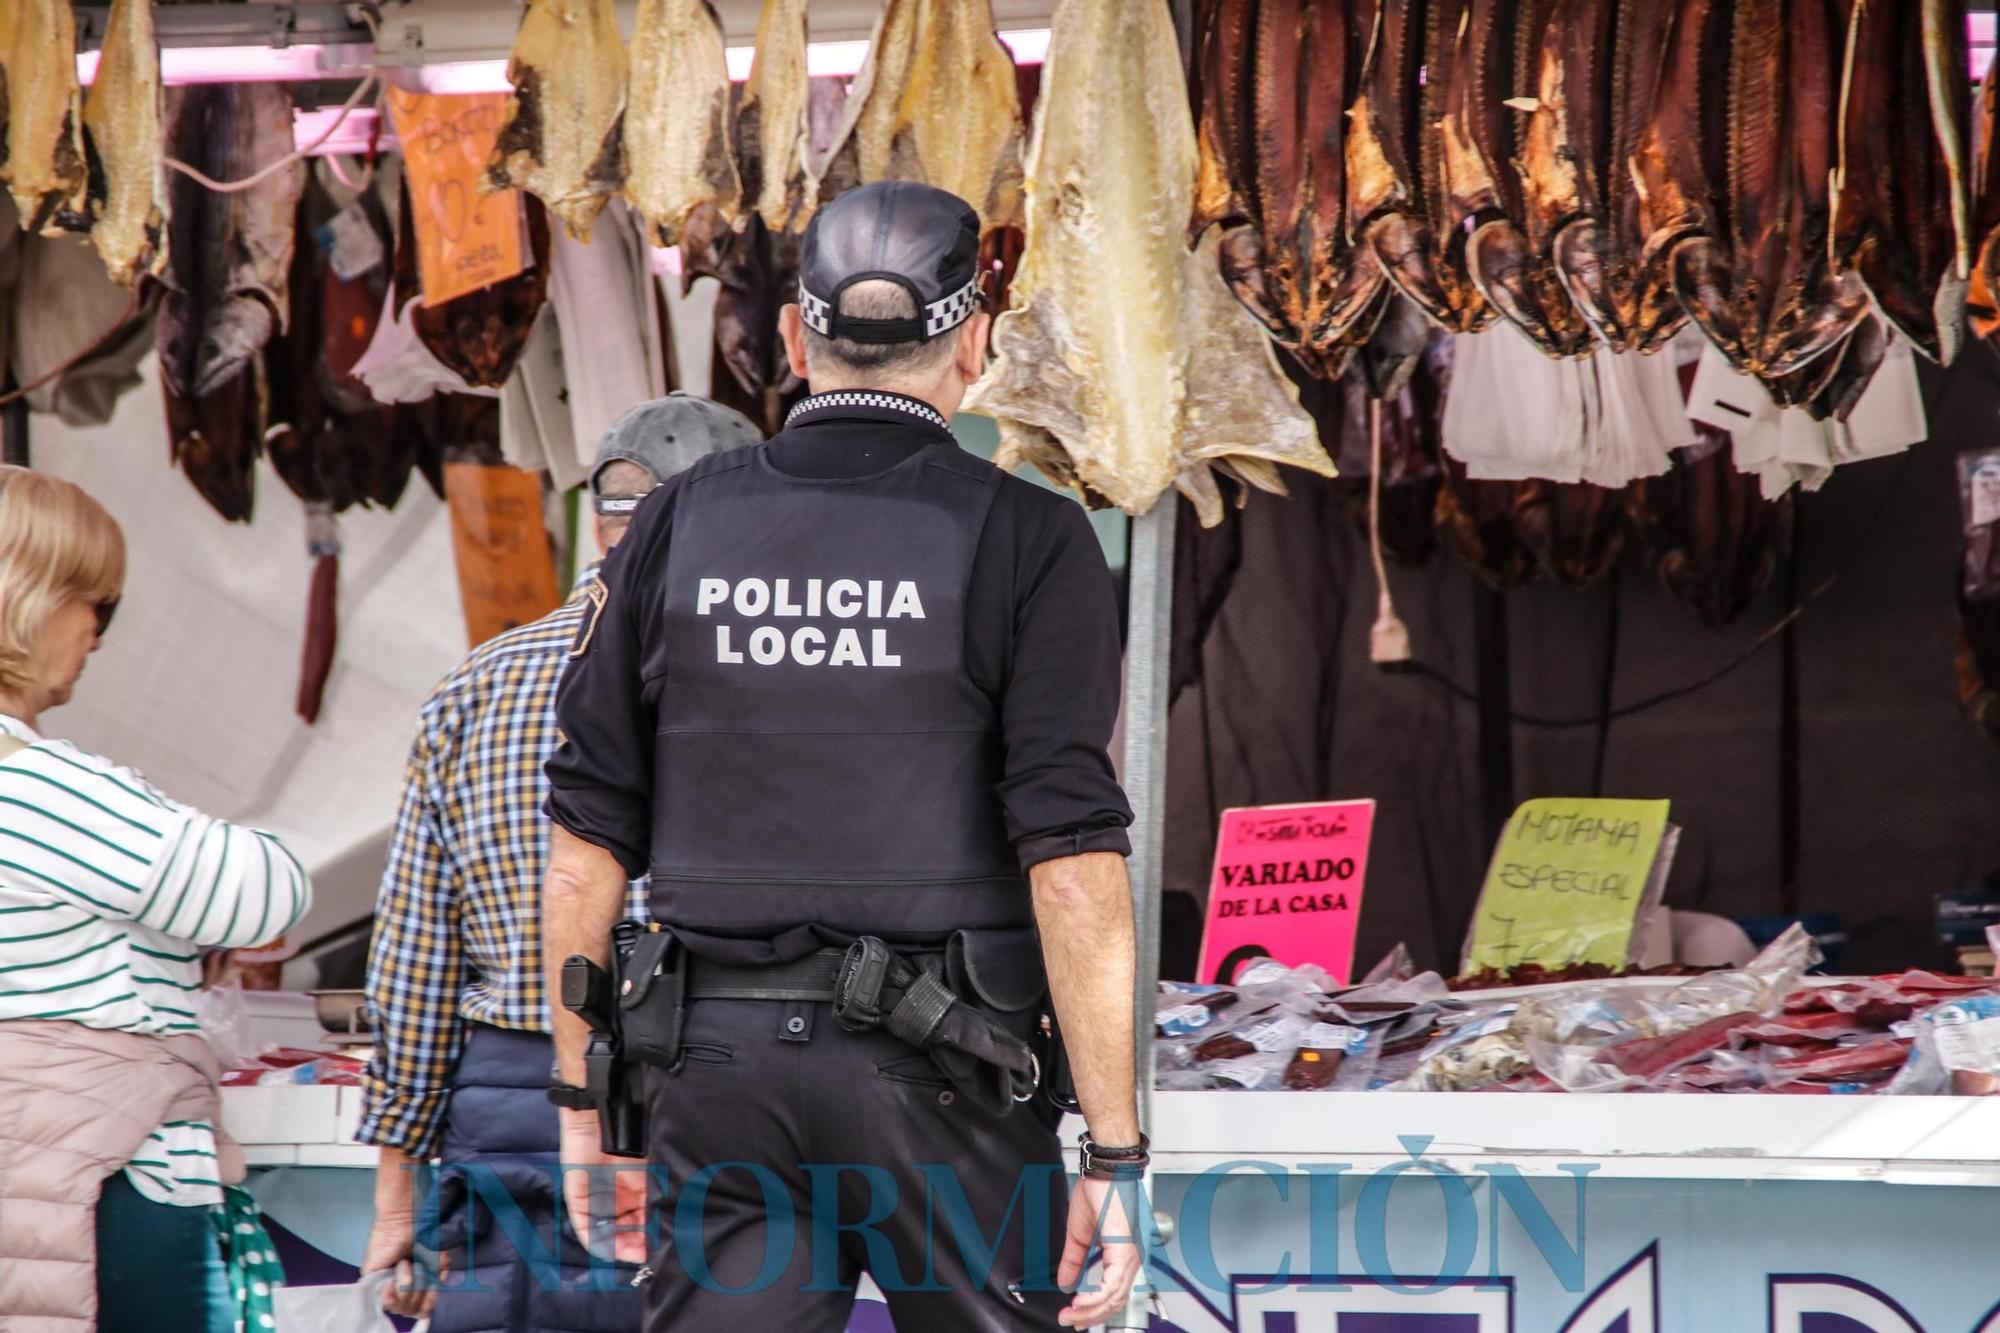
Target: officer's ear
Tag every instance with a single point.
(792, 332)
(970, 357)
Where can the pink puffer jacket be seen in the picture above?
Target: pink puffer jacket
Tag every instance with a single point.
(75, 1104)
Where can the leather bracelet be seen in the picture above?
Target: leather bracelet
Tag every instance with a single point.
(1113, 1163)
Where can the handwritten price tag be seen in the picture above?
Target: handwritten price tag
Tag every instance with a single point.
(465, 239)
(1569, 879)
(506, 573)
(1287, 885)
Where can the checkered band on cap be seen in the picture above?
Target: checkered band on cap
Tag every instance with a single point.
(939, 316)
(816, 313)
(953, 310)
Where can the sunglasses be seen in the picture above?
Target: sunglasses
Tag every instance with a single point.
(104, 610)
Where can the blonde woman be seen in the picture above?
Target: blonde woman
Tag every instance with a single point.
(109, 892)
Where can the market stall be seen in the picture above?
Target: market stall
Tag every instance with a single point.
(1580, 299)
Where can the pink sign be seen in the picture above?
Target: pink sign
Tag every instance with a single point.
(1287, 885)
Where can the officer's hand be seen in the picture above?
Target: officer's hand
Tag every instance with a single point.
(390, 1243)
(622, 1235)
(1101, 1212)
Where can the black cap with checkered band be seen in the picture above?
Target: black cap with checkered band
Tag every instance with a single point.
(923, 239)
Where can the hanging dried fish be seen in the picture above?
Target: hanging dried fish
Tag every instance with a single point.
(1576, 531)
(1768, 296)
(677, 120)
(1465, 308)
(1485, 522)
(563, 141)
(758, 274)
(296, 415)
(478, 336)
(1978, 662)
(353, 310)
(1901, 219)
(936, 102)
(1707, 533)
(124, 145)
(1494, 66)
(1274, 80)
(1985, 317)
(214, 439)
(1125, 366)
(773, 125)
(1596, 81)
(1385, 201)
(228, 254)
(41, 110)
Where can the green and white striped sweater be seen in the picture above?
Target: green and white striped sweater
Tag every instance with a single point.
(108, 893)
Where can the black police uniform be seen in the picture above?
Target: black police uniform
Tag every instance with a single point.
(853, 681)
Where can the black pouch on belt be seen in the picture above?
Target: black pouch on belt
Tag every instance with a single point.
(973, 1020)
(1003, 970)
(653, 1000)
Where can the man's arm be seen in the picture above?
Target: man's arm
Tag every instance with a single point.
(416, 969)
(1067, 818)
(583, 897)
(1083, 905)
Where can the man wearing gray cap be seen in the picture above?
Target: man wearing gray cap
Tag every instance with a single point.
(462, 1052)
(847, 707)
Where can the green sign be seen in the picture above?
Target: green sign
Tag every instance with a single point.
(1567, 884)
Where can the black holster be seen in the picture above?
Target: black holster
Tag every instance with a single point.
(596, 996)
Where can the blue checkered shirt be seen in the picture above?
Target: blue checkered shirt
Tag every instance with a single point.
(458, 922)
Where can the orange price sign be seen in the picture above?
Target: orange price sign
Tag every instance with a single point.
(465, 239)
(506, 572)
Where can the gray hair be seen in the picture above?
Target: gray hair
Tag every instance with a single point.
(877, 298)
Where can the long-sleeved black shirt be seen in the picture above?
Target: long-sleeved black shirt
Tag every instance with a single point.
(1041, 639)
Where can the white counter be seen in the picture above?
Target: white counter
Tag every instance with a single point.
(1906, 1140)
(297, 1126)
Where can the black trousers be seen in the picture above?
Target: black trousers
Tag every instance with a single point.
(798, 1155)
(516, 1265)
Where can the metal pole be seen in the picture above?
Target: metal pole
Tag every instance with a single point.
(1149, 616)
(1148, 648)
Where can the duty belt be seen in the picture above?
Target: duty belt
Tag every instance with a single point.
(809, 980)
(872, 986)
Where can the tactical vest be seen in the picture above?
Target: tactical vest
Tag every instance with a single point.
(822, 755)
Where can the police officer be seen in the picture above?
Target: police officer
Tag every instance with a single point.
(847, 705)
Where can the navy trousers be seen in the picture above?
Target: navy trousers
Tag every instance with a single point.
(513, 1262)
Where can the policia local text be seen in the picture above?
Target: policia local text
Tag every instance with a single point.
(808, 645)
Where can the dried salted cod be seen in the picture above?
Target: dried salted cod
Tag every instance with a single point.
(124, 142)
(774, 121)
(1127, 366)
(40, 109)
(677, 120)
(563, 142)
(1900, 213)
(937, 102)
